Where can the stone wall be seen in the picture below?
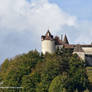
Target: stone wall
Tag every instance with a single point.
(86, 55)
(48, 46)
(87, 50)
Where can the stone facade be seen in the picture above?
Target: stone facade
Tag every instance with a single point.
(50, 44)
(86, 54)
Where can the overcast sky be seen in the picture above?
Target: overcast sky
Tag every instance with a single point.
(22, 22)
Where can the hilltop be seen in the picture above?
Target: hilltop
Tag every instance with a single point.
(35, 72)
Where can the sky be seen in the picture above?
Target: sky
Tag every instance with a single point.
(22, 22)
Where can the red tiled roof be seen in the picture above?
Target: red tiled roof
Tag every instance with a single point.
(74, 45)
(86, 45)
(69, 46)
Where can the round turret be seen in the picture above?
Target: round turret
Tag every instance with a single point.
(48, 43)
(48, 46)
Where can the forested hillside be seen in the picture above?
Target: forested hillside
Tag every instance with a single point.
(35, 72)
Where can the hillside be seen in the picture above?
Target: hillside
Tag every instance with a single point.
(35, 72)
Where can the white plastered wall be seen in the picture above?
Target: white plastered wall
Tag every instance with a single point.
(87, 50)
(80, 54)
(48, 46)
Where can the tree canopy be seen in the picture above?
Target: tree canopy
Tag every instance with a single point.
(35, 72)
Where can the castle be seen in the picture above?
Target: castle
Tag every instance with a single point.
(51, 43)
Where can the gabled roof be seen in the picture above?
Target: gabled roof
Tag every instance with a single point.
(65, 40)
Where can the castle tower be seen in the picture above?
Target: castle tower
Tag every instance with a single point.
(48, 43)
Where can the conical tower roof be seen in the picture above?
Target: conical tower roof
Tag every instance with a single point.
(48, 33)
(48, 36)
(66, 40)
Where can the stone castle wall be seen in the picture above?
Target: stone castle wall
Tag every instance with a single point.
(87, 50)
(48, 46)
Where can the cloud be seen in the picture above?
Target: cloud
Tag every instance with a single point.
(84, 32)
(21, 15)
(22, 23)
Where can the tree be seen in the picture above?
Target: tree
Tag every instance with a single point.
(29, 82)
(35, 72)
(77, 77)
(53, 66)
(3, 69)
(57, 84)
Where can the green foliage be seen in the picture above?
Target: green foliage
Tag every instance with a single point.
(53, 66)
(57, 84)
(29, 82)
(35, 72)
(77, 77)
(4, 68)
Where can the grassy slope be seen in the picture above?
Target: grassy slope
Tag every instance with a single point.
(89, 72)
